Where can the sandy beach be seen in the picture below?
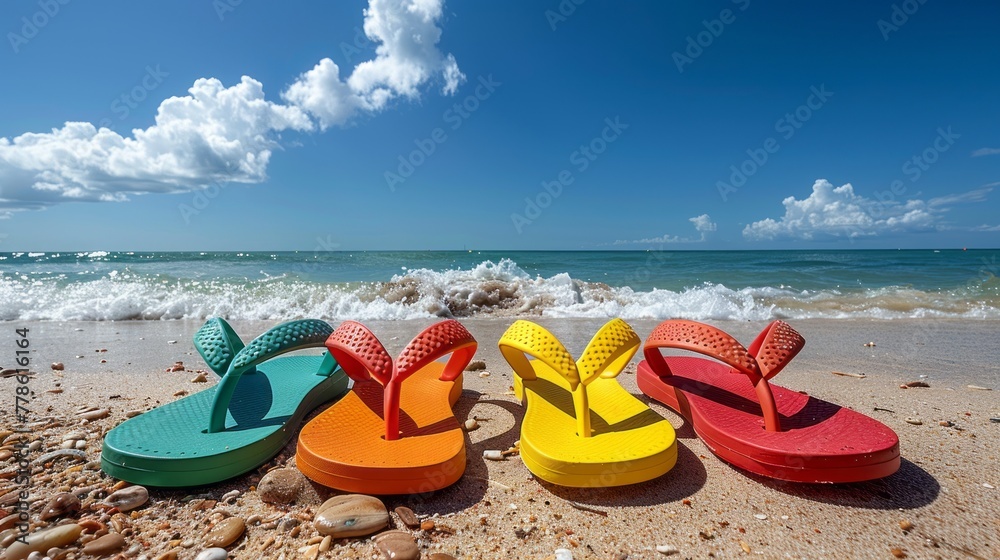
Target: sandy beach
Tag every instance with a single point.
(945, 491)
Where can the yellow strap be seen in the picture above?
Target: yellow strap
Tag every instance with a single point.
(607, 354)
(525, 337)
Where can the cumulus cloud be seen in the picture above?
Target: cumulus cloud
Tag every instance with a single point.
(986, 152)
(406, 57)
(703, 224)
(227, 134)
(838, 212)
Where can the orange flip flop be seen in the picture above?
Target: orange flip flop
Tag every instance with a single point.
(380, 438)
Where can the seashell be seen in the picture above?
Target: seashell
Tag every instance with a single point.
(212, 554)
(41, 541)
(60, 505)
(225, 532)
(128, 499)
(350, 515)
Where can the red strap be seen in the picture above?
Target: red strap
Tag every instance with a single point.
(712, 342)
(359, 353)
(363, 357)
(434, 342)
(775, 346)
(697, 337)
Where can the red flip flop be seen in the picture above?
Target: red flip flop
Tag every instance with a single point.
(752, 424)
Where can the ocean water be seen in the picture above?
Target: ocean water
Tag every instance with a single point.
(701, 285)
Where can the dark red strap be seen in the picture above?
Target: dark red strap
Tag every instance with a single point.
(697, 337)
(775, 346)
(714, 343)
(359, 353)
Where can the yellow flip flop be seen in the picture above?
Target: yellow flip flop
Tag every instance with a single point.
(581, 427)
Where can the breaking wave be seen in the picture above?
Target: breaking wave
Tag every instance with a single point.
(490, 288)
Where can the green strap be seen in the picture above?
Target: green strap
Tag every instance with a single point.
(218, 344)
(286, 337)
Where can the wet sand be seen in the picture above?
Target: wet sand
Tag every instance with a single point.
(703, 507)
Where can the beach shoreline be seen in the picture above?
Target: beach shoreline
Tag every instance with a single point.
(702, 507)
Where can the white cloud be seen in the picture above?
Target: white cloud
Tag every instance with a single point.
(703, 224)
(837, 212)
(986, 152)
(218, 133)
(406, 57)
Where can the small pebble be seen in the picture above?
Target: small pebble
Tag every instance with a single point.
(988, 485)
(946, 423)
(427, 525)
(280, 486)
(760, 516)
(225, 532)
(325, 544)
(128, 498)
(407, 516)
(58, 366)
(471, 424)
(351, 515)
(398, 545)
(484, 374)
(95, 414)
(102, 546)
(43, 540)
(918, 384)
(914, 421)
(212, 554)
(906, 525)
(200, 378)
(666, 549)
(441, 556)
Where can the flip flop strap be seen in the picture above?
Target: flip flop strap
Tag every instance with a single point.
(775, 346)
(607, 354)
(363, 357)
(525, 338)
(218, 344)
(714, 343)
(359, 353)
(434, 342)
(286, 337)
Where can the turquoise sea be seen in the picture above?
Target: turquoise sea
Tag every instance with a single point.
(740, 285)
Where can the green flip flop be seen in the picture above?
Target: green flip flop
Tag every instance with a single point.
(238, 424)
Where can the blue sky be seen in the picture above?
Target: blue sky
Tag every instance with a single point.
(514, 125)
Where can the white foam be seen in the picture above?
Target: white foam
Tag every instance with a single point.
(488, 288)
